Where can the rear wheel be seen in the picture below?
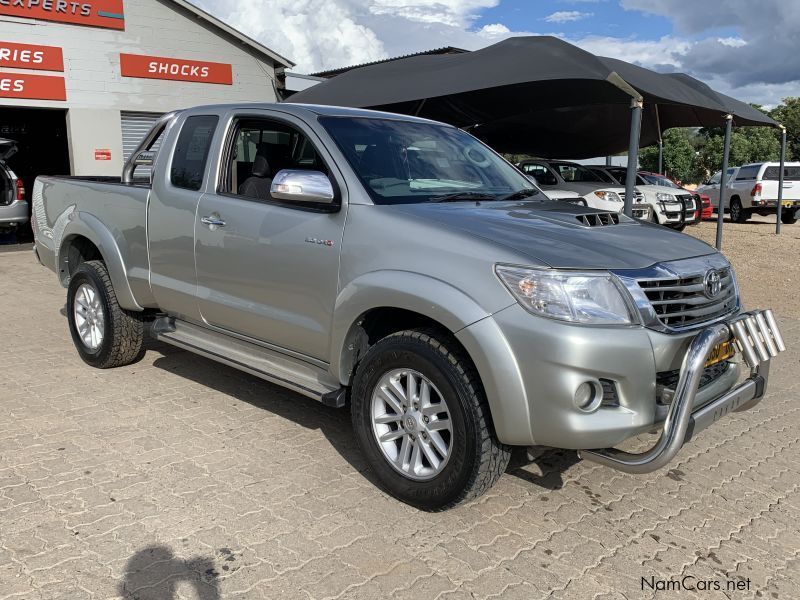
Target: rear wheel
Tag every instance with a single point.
(104, 334)
(738, 213)
(789, 217)
(423, 423)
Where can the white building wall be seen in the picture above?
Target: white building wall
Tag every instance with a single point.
(96, 92)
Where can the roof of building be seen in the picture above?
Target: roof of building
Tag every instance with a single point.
(253, 45)
(443, 50)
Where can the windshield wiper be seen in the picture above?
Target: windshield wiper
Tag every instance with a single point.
(458, 196)
(520, 194)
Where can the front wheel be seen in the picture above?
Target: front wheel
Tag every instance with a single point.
(104, 334)
(423, 423)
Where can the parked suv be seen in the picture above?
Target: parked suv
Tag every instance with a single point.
(574, 177)
(673, 206)
(13, 207)
(753, 189)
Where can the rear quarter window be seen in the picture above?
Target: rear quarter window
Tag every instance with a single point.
(191, 152)
(748, 173)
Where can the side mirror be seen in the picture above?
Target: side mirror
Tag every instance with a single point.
(296, 185)
(532, 179)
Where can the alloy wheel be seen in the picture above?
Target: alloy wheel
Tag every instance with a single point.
(411, 423)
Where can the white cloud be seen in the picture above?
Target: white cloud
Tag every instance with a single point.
(494, 30)
(754, 64)
(455, 13)
(566, 16)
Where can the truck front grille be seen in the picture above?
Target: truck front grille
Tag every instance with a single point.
(682, 302)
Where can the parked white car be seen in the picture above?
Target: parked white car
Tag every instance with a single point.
(753, 189)
(566, 176)
(672, 206)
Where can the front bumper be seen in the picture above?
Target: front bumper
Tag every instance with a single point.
(531, 368)
(759, 340)
(677, 212)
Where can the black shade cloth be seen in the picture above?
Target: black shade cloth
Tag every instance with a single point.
(536, 95)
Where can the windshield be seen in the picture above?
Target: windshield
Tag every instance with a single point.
(660, 180)
(403, 162)
(575, 173)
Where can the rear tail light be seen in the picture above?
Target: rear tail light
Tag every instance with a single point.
(20, 191)
(756, 191)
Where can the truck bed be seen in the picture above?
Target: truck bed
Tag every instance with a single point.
(103, 204)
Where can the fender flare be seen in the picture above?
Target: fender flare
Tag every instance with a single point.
(86, 225)
(395, 289)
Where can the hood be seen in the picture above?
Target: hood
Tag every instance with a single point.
(581, 187)
(552, 233)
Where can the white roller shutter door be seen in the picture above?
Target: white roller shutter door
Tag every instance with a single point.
(135, 126)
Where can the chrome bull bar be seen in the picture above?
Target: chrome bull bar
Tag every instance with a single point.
(758, 338)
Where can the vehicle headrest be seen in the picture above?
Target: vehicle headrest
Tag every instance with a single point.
(260, 166)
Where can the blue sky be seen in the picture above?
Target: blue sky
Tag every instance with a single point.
(586, 18)
(745, 48)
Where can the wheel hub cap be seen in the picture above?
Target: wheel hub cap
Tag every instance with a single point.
(89, 316)
(411, 423)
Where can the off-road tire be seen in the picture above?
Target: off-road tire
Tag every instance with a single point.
(739, 214)
(478, 459)
(123, 332)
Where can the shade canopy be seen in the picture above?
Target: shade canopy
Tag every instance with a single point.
(477, 87)
(536, 95)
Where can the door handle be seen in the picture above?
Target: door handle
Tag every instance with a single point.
(213, 221)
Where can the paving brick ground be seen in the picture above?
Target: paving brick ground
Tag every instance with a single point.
(180, 478)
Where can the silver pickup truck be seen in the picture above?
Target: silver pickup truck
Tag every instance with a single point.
(400, 267)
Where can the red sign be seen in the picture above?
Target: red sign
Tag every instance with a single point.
(95, 13)
(178, 69)
(102, 154)
(33, 87)
(28, 56)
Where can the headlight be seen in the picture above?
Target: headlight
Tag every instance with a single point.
(596, 298)
(608, 196)
(663, 197)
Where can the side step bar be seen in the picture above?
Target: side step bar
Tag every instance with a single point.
(270, 365)
(758, 338)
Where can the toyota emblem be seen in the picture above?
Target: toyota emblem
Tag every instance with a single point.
(712, 284)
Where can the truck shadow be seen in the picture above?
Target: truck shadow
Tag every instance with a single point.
(544, 468)
(334, 423)
(154, 573)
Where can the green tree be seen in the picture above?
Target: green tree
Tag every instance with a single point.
(680, 158)
(788, 115)
(748, 145)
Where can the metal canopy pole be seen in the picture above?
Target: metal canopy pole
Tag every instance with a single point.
(660, 143)
(780, 181)
(723, 182)
(633, 155)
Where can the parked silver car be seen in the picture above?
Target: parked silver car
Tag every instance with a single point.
(401, 267)
(13, 205)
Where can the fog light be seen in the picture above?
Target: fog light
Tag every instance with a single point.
(588, 396)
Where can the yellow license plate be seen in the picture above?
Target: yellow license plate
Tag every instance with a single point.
(787, 203)
(721, 352)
